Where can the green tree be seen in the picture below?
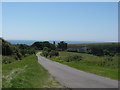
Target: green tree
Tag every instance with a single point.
(45, 51)
(41, 45)
(9, 49)
(53, 53)
(38, 45)
(62, 45)
(54, 42)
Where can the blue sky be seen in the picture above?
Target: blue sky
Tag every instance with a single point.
(76, 21)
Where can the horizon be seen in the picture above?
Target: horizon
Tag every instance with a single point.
(65, 21)
(58, 40)
(30, 42)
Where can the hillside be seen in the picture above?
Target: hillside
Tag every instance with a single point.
(27, 73)
(20, 68)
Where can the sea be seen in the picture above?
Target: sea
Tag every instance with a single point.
(30, 42)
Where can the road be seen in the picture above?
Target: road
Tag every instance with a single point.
(73, 78)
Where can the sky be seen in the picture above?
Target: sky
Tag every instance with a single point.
(0, 19)
(73, 21)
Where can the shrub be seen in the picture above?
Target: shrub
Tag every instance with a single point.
(7, 59)
(46, 49)
(62, 45)
(53, 53)
(45, 53)
(73, 58)
(41, 45)
(109, 61)
(103, 49)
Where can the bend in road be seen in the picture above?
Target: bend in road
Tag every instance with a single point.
(73, 78)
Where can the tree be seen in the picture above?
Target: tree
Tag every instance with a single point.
(54, 42)
(49, 45)
(45, 51)
(39, 45)
(9, 49)
(62, 45)
(53, 53)
(52, 47)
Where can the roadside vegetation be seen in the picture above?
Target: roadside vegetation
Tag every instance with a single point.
(106, 66)
(11, 52)
(14, 52)
(27, 73)
(20, 67)
(100, 59)
(48, 52)
(98, 49)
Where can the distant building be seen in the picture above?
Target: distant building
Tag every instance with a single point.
(77, 48)
(82, 49)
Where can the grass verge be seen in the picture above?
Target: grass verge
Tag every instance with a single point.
(103, 66)
(26, 73)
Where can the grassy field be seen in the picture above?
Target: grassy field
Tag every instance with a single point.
(106, 43)
(27, 73)
(103, 66)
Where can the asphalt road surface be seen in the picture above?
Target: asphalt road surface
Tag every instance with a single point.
(73, 78)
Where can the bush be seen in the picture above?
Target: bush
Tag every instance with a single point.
(41, 45)
(46, 49)
(45, 53)
(73, 58)
(62, 45)
(54, 53)
(7, 59)
(109, 61)
(103, 50)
